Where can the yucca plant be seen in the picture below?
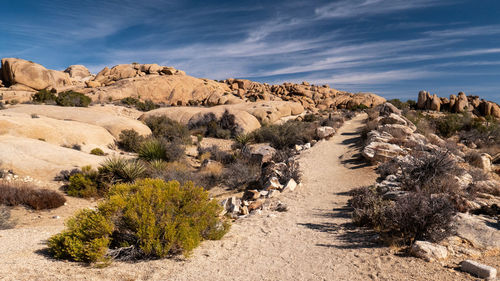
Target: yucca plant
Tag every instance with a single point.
(153, 149)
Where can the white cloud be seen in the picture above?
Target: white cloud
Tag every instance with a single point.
(355, 8)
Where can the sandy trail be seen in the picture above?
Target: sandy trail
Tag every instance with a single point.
(313, 240)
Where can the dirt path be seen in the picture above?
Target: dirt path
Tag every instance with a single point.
(313, 240)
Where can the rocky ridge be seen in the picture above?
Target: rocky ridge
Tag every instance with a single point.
(167, 85)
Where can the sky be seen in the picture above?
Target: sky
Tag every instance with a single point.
(393, 48)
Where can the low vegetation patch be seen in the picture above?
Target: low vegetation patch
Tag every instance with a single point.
(23, 194)
(223, 128)
(5, 222)
(147, 219)
(97, 151)
(147, 105)
(286, 135)
(168, 129)
(67, 98)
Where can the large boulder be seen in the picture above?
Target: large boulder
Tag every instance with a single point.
(58, 132)
(435, 103)
(168, 89)
(461, 103)
(40, 159)
(110, 121)
(78, 72)
(32, 75)
(423, 98)
(379, 152)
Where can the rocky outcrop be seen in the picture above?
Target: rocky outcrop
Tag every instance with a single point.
(248, 116)
(110, 121)
(458, 104)
(36, 77)
(78, 72)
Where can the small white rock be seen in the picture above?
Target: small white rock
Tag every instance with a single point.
(429, 251)
(478, 269)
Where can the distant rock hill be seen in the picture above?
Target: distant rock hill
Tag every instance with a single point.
(163, 84)
(458, 104)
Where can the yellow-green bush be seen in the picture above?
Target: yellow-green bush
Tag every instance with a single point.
(153, 217)
(86, 239)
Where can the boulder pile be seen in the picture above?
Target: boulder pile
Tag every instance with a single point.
(458, 104)
(167, 85)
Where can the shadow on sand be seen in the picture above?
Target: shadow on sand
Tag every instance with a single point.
(347, 234)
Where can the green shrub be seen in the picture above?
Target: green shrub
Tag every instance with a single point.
(71, 98)
(148, 219)
(129, 140)
(82, 185)
(286, 135)
(86, 238)
(97, 151)
(165, 128)
(44, 96)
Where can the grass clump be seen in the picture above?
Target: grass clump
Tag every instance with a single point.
(5, 222)
(158, 149)
(147, 219)
(30, 196)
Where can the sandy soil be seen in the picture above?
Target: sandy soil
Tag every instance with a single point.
(313, 240)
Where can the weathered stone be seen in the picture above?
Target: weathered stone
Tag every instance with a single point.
(33, 75)
(478, 269)
(290, 186)
(78, 72)
(423, 97)
(429, 251)
(476, 230)
(261, 153)
(325, 132)
(381, 151)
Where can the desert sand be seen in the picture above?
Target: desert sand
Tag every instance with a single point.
(313, 240)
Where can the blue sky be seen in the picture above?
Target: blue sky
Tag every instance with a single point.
(390, 47)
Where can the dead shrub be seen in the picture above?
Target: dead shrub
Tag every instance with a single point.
(22, 194)
(216, 154)
(5, 222)
(474, 159)
(241, 174)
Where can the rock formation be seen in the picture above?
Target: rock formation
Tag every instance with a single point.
(458, 104)
(32, 76)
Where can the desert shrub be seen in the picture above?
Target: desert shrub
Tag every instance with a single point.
(390, 167)
(474, 159)
(286, 135)
(158, 149)
(86, 238)
(409, 104)
(332, 121)
(148, 219)
(241, 174)
(2, 106)
(430, 172)
(358, 107)
(76, 147)
(30, 196)
(44, 96)
(64, 175)
(311, 117)
(209, 126)
(83, 185)
(165, 128)
(97, 151)
(414, 216)
(147, 105)
(129, 140)
(214, 153)
(5, 222)
(242, 140)
(71, 98)
(178, 171)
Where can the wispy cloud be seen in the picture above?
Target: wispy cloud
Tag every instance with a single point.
(354, 8)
